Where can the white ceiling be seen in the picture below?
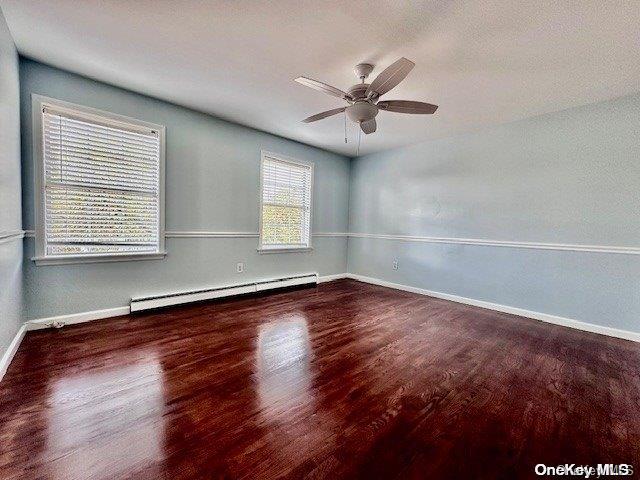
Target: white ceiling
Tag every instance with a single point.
(484, 62)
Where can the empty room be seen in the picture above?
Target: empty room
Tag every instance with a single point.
(302, 240)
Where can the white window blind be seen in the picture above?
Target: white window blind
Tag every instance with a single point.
(286, 204)
(101, 185)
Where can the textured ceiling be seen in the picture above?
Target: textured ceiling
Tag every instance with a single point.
(483, 62)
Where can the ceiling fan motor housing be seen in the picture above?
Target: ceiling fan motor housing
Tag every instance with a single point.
(358, 91)
(362, 111)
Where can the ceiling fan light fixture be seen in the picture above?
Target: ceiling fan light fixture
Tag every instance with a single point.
(361, 111)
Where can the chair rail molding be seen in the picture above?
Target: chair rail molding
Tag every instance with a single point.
(504, 243)
(11, 235)
(572, 247)
(214, 234)
(208, 234)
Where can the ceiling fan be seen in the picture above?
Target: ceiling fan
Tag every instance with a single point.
(363, 98)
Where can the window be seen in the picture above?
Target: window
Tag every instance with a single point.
(99, 185)
(285, 216)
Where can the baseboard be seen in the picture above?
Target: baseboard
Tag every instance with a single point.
(41, 323)
(73, 318)
(331, 278)
(11, 351)
(224, 291)
(544, 317)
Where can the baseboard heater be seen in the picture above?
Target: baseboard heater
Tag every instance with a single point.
(146, 303)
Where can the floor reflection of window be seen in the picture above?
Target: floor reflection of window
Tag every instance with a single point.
(286, 395)
(90, 411)
(283, 365)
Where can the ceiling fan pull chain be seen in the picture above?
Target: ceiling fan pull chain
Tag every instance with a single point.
(358, 148)
(345, 126)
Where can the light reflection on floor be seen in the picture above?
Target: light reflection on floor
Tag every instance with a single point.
(86, 408)
(283, 355)
(288, 403)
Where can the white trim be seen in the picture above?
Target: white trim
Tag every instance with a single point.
(287, 282)
(97, 258)
(5, 361)
(140, 304)
(407, 238)
(11, 236)
(502, 243)
(178, 298)
(544, 317)
(331, 278)
(292, 161)
(101, 117)
(73, 318)
(70, 319)
(205, 234)
(330, 234)
(38, 103)
(210, 234)
(271, 250)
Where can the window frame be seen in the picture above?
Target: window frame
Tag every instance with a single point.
(264, 154)
(38, 102)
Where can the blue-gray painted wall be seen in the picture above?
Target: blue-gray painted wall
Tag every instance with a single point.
(212, 184)
(571, 177)
(10, 210)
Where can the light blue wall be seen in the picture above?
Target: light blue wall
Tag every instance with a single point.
(10, 209)
(212, 183)
(571, 177)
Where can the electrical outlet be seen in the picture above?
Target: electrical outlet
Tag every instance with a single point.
(240, 267)
(395, 264)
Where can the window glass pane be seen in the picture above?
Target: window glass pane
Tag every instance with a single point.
(286, 203)
(101, 186)
(282, 225)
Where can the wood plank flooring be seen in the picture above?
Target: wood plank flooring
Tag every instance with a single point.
(346, 380)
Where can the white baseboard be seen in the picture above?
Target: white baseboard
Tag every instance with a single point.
(331, 278)
(41, 323)
(48, 322)
(179, 298)
(544, 317)
(11, 351)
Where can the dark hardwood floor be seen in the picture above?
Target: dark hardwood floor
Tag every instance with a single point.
(346, 380)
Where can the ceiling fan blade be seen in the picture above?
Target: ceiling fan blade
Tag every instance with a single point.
(320, 116)
(369, 126)
(390, 77)
(407, 106)
(323, 87)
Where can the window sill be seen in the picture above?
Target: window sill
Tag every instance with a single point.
(98, 258)
(285, 250)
